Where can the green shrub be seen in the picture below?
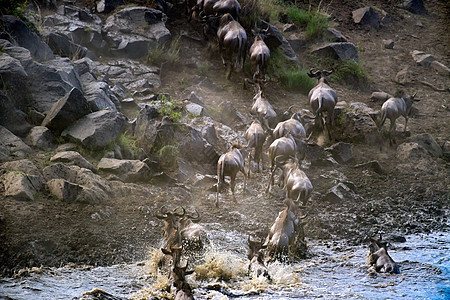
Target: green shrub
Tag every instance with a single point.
(166, 108)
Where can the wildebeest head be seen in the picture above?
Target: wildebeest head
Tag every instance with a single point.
(379, 257)
(323, 74)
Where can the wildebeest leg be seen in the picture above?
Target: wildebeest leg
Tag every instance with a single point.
(217, 195)
(272, 172)
(232, 183)
(245, 179)
(249, 163)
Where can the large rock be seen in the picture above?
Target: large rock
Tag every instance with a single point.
(427, 141)
(422, 58)
(343, 51)
(41, 137)
(132, 31)
(73, 158)
(126, 170)
(95, 189)
(275, 39)
(358, 127)
(99, 95)
(79, 26)
(366, 16)
(21, 186)
(63, 46)
(341, 152)
(96, 130)
(24, 166)
(12, 118)
(107, 6)
(64, 190)
(414, 6)
(22, 35)
(11, 146)
(66, 111)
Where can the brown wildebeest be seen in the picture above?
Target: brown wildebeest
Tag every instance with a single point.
(256, 267)
(281, 150)
(230, 164)
(232, 42)
(292, 126)
(286, 234)
(297, 184)
(255, 137)
(392, 109)
(323, 98)
(231, 7)
(259, 56)
(380, 259)
(262, 109)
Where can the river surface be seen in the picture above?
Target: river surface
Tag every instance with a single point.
(333, 271)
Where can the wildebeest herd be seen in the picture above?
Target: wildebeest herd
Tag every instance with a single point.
(285, 239)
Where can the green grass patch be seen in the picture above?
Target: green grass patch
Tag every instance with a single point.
(350, 73)
(314, 22)
(288, 73)
(163, 53)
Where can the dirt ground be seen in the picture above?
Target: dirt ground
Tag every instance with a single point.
(50, 233)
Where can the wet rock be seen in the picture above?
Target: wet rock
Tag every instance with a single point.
(13, 119)
(414, 6)
(373, 165)
(21, 186)
(388, 44)
(41, 137)
(126, 170)
(11, 146)
(73, 158)
(380, 96)
(342, 152)
(427, 141)
(366, 16)
(342, 51)
(66, 111)
(63, 189)
(422, 58)
(440, 68)
(96, 130)
(21, 34)
(132, 31)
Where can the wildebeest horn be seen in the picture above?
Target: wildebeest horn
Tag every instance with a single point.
(328, 73)
(289, 110)
(311, 73)
(195, 218)
(163, 213)
(179, 214)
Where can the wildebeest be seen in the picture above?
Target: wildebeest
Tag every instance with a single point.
(255, 137)
(286, 234)
(232, 40)
(193, 235)
(323, 98)
(292, 126)
(172, 234)
(259, 56)
(256, 267)
(393, 108)
(297, 184)
(281, 150)
(230, 164)
(380, 259)
(262, 109)
(231, 7)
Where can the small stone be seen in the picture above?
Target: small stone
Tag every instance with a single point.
(388, 44)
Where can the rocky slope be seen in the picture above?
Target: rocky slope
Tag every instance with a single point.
(75, 188)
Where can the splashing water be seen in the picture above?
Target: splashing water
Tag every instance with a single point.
(332, 272)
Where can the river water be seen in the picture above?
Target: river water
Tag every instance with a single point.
(333, 271)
